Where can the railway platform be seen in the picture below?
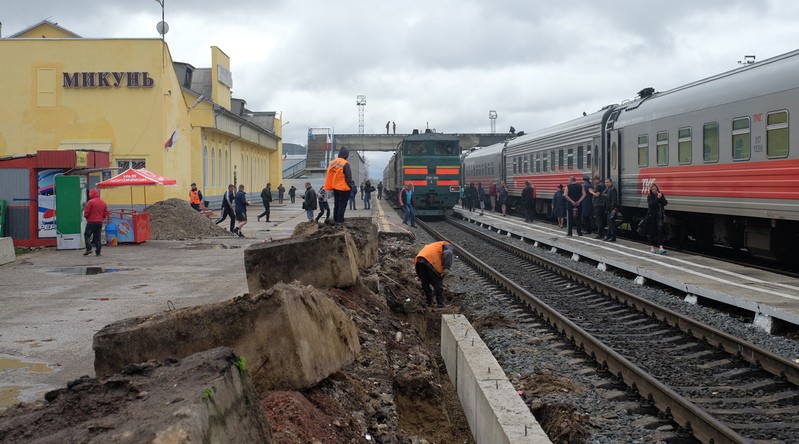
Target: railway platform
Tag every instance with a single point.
(773, 299)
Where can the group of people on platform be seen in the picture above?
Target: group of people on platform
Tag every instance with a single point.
(496, 199)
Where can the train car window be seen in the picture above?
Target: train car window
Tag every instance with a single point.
(587, 157)
(643, 150)
(560, 160)
(570, 159)
(544, 162)
(741, 139)
(537, 162)
(614, 156)
(777, 134)
(514, 165)
(552, 162)
(525, 160)
(710, 142)
(684, 146)
(415, 148)
(662, 148)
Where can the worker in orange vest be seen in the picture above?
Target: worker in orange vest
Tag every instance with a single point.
(339, 180)
(195, 197)
(430, 263)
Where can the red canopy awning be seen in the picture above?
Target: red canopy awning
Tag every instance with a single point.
(136, 177)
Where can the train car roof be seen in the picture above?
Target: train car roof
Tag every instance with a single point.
(485, 151)
(761, 78)
(590, 120)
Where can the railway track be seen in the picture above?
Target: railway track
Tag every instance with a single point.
(720, 388)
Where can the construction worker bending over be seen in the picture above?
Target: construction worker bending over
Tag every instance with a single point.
(430, 264)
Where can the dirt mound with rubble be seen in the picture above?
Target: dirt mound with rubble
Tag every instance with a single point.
(175, 219)
(396, 391)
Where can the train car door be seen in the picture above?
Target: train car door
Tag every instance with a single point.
(614, 153)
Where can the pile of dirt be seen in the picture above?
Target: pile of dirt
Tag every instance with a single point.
(397, 390)
(175, 219)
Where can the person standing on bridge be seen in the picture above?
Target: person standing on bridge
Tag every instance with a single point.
(339, 179)
(431, 263)
(394, 127)
(387, 125)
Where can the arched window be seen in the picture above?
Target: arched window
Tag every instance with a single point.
(227, 167)
(213, 167)
(205, 165)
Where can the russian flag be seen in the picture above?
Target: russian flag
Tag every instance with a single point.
(171, 141)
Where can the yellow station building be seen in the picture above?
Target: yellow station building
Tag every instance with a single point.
(127, 98)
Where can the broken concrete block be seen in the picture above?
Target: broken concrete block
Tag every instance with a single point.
(328, 260)
(204, 398)
(292, 336)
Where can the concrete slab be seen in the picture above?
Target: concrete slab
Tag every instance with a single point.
(493, 408)
(7, 252)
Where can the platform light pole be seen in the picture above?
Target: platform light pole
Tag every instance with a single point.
(360, 100)
(492, 115)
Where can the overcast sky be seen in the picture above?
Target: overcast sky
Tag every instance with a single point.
(445, 63)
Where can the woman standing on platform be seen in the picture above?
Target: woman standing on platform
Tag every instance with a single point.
(559, 206)
(655, 202)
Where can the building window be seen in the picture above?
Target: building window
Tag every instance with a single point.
(777, 134)
(580, 157)
(227, 166)
(213, 167)
(643, 150)
(205, 166)
(662, 148)
(684, 146)
(741, 139)
(124, 164)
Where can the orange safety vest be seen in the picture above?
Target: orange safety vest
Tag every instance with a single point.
(335, 179)
(194, 197)
(433, 253)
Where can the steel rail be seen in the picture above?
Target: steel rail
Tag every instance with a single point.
(702, 425)
(768, 361)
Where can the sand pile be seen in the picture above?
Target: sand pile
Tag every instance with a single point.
(175, 219)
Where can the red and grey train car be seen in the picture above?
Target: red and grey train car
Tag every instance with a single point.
(721, 149)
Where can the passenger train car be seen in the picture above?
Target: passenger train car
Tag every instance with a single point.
(720, 149)
(431, 162)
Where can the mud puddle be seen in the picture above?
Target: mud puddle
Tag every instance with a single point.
(83, 271)
(209, 247)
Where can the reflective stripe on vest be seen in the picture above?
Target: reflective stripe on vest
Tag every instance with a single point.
(194, 197)
(335, 179)
(433, 253)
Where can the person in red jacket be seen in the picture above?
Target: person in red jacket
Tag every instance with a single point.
(95, 212)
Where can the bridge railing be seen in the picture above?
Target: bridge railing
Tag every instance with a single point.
(294, 169)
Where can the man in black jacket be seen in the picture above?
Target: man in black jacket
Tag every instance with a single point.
(266, 198)
(528, 200)
(612, 206)
(227, 207)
